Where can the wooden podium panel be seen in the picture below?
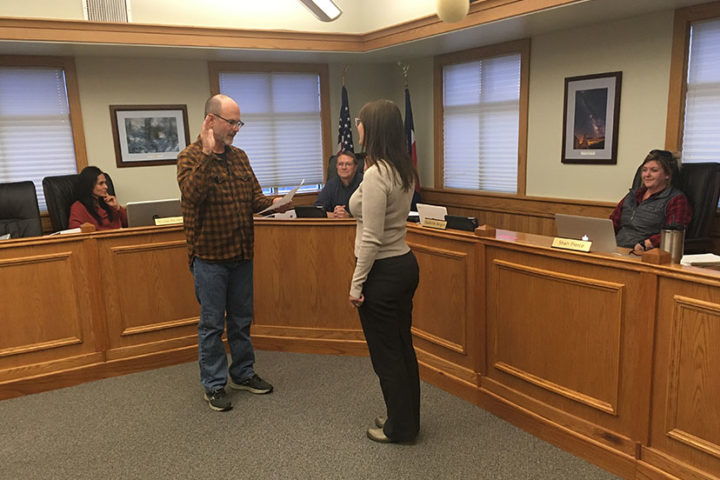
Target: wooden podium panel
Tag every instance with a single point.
(149, 296)
(46, 310)
(685, 433)
(563, 340)
(446, 309)
(302, 272)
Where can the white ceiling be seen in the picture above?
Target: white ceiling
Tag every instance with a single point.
(577, 15)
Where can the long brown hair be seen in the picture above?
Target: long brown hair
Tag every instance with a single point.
(384, 140)
(86, 184)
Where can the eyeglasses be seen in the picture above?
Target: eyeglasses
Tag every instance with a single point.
(345, 164)
(357, 122)
(232, 123)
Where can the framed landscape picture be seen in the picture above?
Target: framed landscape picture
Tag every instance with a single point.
(149, 134)
(590, 118)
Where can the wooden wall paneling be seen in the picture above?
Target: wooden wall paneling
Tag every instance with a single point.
(302, 278)
(509, 212)
(47, 313)
(148, 291)
(685, 434)
(446, 313)
(562, 340)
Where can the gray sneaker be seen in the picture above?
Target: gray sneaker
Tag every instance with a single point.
(218, 400)
(254, 384)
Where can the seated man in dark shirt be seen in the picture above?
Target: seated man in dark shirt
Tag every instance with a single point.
(334, 197)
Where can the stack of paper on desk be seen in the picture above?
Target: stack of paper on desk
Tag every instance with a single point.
(701, 260)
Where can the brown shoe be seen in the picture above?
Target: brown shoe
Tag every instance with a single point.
(380, 421)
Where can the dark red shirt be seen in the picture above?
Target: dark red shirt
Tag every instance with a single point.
(80, 215)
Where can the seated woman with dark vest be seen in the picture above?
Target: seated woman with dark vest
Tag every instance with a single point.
(640, 216)
(94, 204)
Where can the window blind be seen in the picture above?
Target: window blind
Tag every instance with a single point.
(701, 136)
(36, 138)
(481, 119)
(282, 135)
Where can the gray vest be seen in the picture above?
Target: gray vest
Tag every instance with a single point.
(639, 221)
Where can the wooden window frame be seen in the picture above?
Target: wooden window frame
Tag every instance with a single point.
(215, 68)
(684, 17)
(518, 46)
(67, 64)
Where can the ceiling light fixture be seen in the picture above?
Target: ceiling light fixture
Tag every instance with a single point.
(325, 10)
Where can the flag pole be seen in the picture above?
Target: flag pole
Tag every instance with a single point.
(404, 67)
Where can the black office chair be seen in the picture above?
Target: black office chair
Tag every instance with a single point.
(61, 193)
(700, 182)
(19, 212)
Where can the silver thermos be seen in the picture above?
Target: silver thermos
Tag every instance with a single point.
(672, 240)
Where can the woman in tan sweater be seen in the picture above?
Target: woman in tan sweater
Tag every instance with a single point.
(386, 273)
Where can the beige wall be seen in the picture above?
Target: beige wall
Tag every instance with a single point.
(56, 9)
(367, 82)
(364, 82)
(640, 48)
(137, 81)
(625, 45)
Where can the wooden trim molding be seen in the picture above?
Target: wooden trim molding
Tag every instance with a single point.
(684, 17)
(23, 29)
(480, 13)
(75, 31)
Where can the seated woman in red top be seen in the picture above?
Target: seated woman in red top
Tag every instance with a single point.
(95, 205)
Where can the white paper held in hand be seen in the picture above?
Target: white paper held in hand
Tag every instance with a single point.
(287, 198)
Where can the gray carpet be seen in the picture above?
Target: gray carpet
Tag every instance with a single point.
(155, 425)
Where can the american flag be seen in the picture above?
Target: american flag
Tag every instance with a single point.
(345, 141)
(410, 135)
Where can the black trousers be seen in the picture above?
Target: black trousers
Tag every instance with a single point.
(386, 317)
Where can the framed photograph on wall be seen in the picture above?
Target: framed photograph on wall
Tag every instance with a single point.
(149, 134)
(590, 118)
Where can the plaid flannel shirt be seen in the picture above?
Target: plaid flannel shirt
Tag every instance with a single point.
(219, 197)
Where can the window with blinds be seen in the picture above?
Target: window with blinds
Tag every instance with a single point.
(282, 135)
(481, 112)
(36, 138)
(701, 135)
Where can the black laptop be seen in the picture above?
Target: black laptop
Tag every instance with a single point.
(310, 211)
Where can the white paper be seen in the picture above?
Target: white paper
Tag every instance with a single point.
(284, 200)
(700, 259)
(434, 212)
(284, 215)
(69, 230)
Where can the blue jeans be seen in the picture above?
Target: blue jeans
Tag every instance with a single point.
(225, 292)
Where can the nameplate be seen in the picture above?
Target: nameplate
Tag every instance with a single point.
(435, 223)
(571, 244)
(168, 220)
